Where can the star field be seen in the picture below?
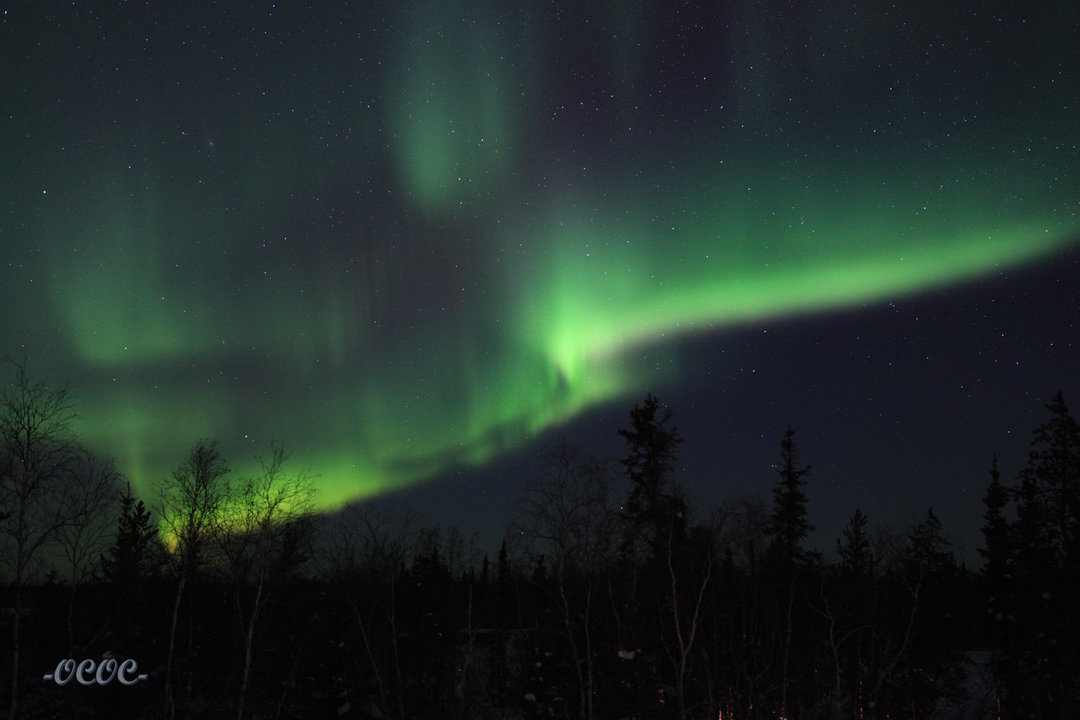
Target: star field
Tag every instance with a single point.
(412, 241)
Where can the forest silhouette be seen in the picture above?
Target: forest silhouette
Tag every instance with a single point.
(613, 594)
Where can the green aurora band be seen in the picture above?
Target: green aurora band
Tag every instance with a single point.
(488, 292)
(464, 388)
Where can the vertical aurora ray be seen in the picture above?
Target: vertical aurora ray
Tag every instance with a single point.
(410, 240)
(453, 103)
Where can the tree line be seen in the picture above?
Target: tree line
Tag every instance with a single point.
(613, 594)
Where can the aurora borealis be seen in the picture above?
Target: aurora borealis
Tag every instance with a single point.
(408, 238)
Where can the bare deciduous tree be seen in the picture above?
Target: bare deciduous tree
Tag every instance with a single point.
(569, 512)
(91, 513)
(263, 514)
(367, 548)
(686, 629)
(190, 504)
(38, 455)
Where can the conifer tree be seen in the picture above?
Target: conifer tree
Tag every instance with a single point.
(788, 524)
(997, 550)
(930, 551)
(134, 558)
(651, 444)
(1053, 472)
(788, 527)
(1047, 564)
(1035, 552)
(854, 552)
(131, 558)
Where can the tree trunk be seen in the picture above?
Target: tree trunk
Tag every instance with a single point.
(71, 620)
(170, 700)
(589, 673)
(568, 624)
(370, 653)
(248, 640)
(394, 648)
(686, 643)
(13, 711)
(469, 647)
(787, 647)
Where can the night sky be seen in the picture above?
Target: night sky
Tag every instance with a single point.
(415, 242)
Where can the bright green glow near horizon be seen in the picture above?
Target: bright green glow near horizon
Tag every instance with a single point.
(462, 389)
(564, 342)
(447, 231)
